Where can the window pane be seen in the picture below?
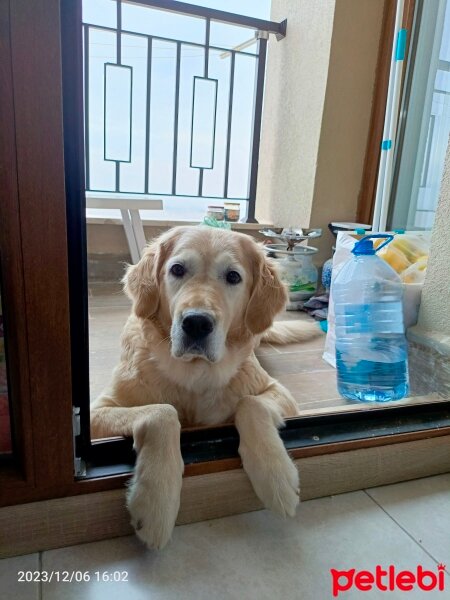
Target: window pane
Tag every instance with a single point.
(233, 37)
(163, 23)
(100, 12)
(420, 159)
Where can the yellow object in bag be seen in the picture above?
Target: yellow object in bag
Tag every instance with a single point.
(405, 251)
(416, 272)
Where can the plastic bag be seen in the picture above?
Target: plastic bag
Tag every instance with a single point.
(212, 222)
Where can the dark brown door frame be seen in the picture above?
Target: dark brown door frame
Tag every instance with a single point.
(34, 247)
(33, 243)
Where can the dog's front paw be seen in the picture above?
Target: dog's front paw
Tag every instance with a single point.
(153, 512)
(153, 498)
(275, 480)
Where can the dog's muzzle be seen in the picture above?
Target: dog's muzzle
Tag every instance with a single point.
(193, 335)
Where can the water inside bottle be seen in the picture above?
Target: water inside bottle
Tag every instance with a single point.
(369, 380)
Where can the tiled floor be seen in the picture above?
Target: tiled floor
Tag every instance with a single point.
(259, 555)
(300, 367)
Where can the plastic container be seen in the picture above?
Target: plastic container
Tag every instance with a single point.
(298, 273)
(371, 348)
(216, 212)
(232, 211)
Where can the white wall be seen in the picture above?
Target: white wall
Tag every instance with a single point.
(435, 307)
(318, 102)
(297, 69)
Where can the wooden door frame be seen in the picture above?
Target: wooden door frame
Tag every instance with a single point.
(35, 267)
(34, 248)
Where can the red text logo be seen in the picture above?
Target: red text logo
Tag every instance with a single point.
(387, 580)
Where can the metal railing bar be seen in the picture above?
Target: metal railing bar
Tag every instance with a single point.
(169, 195)
(205, 74)
(214, 15)
(165, 39)
(119, 32)
(86, 107)
(117, 176)
(230, 115)
(206, 57)
(257, 117)
(200, 182)
(175, 121)
(147, 112)
(118, 61)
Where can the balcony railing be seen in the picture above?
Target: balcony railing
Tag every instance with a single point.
(173, 97)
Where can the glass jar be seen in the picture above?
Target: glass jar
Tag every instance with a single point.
(232, 211)
(216, 212)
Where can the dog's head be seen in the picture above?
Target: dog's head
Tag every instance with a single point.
(206, 288)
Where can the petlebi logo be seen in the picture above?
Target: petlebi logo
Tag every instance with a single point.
(388, 580)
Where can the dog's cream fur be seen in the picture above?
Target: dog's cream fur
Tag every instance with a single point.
(160, 384)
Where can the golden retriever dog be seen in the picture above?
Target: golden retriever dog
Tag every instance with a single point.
(203, 299)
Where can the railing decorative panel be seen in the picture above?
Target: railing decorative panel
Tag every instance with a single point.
(173, 99)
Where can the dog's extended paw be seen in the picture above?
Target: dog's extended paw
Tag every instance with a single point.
(275, 480)
(153, 497)
(153, 512)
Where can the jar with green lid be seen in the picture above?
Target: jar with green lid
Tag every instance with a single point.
(216, 212)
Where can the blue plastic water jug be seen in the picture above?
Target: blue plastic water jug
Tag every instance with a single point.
(371, 348)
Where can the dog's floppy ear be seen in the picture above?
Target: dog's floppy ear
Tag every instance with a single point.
(268, 295)
(141, 282)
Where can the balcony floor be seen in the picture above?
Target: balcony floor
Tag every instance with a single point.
(300, 367)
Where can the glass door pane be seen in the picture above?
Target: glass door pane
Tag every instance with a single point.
(424, 133)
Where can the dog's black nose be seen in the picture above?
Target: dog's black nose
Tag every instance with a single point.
(197, 326)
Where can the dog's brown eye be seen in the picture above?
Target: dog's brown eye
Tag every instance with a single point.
(233, 277)
(177, 270)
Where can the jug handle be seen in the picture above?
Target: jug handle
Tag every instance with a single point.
(388, 237)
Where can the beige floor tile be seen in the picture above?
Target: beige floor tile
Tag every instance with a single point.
(422, 508)
(266, 349)
(315, 344)
(10, 587)
(107, 294)
(329, 405)
(252, 556)
(294, 362)
(310, 387)
(293, 315)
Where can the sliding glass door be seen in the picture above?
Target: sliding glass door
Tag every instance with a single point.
(424, 120)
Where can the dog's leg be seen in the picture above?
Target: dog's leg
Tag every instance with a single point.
(153, 497)
(154, 492)
(272, 473)
(111, 421)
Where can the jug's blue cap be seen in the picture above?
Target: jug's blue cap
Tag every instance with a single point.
(364, 246)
